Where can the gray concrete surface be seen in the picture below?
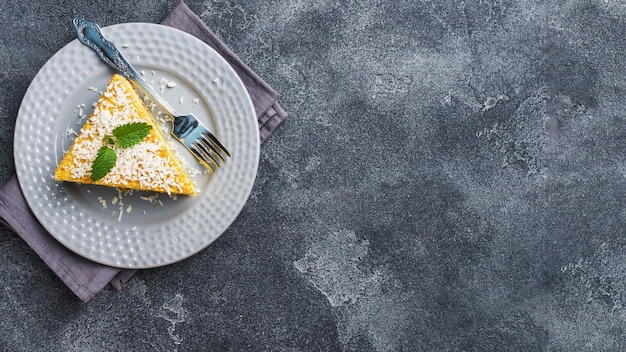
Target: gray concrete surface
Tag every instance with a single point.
(451, 178)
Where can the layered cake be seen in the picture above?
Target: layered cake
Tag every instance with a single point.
(149, 164)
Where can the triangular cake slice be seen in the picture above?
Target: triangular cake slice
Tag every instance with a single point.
(150, 165)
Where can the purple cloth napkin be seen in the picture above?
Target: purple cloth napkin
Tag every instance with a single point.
(84, 277)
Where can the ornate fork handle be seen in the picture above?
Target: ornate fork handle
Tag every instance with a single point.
(89, 34)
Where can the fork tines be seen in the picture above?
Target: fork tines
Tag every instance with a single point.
(206, 148)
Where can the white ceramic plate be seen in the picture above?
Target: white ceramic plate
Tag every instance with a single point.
(141, 233)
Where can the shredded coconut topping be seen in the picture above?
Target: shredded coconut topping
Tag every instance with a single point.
(144, 162)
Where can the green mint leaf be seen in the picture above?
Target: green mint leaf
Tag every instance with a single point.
(103, 164)
(109, 139)
(130, 134)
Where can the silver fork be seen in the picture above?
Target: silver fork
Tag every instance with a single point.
(187, 128)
